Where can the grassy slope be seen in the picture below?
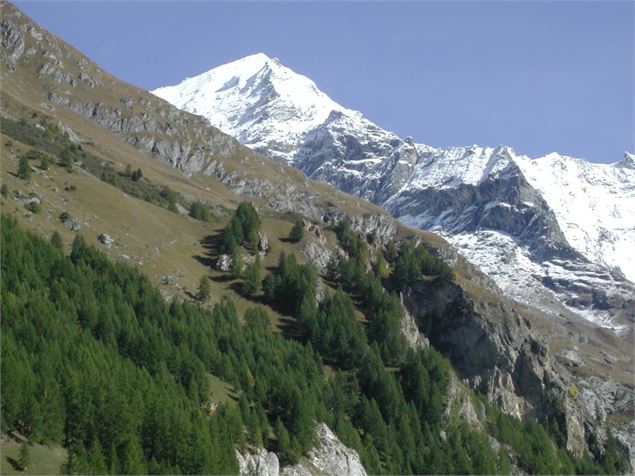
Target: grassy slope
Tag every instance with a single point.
(44, 459)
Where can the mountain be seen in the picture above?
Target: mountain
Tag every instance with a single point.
(553, 232)
(109, 337)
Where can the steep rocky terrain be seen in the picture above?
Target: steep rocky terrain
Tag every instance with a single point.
(554, 232)
(126, 126)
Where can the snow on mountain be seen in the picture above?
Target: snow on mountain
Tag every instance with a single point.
(594, 205)
(549, 231)
(262, 103)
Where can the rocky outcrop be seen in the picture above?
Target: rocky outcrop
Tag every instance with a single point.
(329, 458)
(495, 350)
(263, 242)
(258, 463)
(408, 326)
(105, 240)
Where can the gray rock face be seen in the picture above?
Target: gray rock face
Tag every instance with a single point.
(105, 240)
(258, 463)
(263, 242)
(223, 263)
(493, 348)
(329, 457)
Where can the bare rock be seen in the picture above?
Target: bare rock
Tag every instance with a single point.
(258, 463)
(105, 240)
(72, 224)
(263, 242)
(332, 457)
(223, 263)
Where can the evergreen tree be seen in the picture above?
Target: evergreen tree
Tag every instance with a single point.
(4, 190)
(24, 456)
(136, 175)
(45, 162)
(199, 211)
(56, 241)
(66, 160)
(24, 169)
(252, 278)
(203, 291)
(237, 263)
(297, 232)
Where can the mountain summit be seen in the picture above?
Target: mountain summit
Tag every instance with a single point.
(264, 104)
(553, 232)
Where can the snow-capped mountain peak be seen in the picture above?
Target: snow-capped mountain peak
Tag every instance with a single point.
(258, 100)
(548, 230)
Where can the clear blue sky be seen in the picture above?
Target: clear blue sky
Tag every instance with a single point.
(539, 76)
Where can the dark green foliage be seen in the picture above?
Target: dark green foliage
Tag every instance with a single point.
(203, 291)
(66, 159)
(56, 241)
(94, 359)
(252, 278)
(170, 196)
(4, 190)
(24, 169)
(45, 162)
(24, 456)
(236, 268)
(88, 361)
(243, 228)
(336, 333)
(538, 454)
(33, 207)
(291, 284)
(297, 232)
(413, 262)
(136, 175)
(126, 375)
(64, 217)
(199, 211)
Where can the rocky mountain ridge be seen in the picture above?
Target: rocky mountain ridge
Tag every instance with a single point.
(188, 143)
(568, 246)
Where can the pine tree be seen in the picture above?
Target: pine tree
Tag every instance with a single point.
(56, 241)
(252, 283)
(136, 175)
(4, 190)
(237, 263)
(24, 169)
(297, 232)
(24, 457)
(203, 292)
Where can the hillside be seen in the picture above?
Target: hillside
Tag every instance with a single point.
(56, 102)
(553, 232)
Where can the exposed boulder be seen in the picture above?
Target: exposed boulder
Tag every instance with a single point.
(223, 263)
(72, 224)
(319, 254)
(332, 457)
(329, 457)
(105, 240)
(263, 242)
(258, 463)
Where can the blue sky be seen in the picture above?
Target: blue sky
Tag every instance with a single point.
(538, 76)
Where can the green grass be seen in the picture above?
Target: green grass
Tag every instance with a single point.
(44, 459)
(221, 391)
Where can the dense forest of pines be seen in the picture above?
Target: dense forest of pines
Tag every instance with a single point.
(94, 358)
